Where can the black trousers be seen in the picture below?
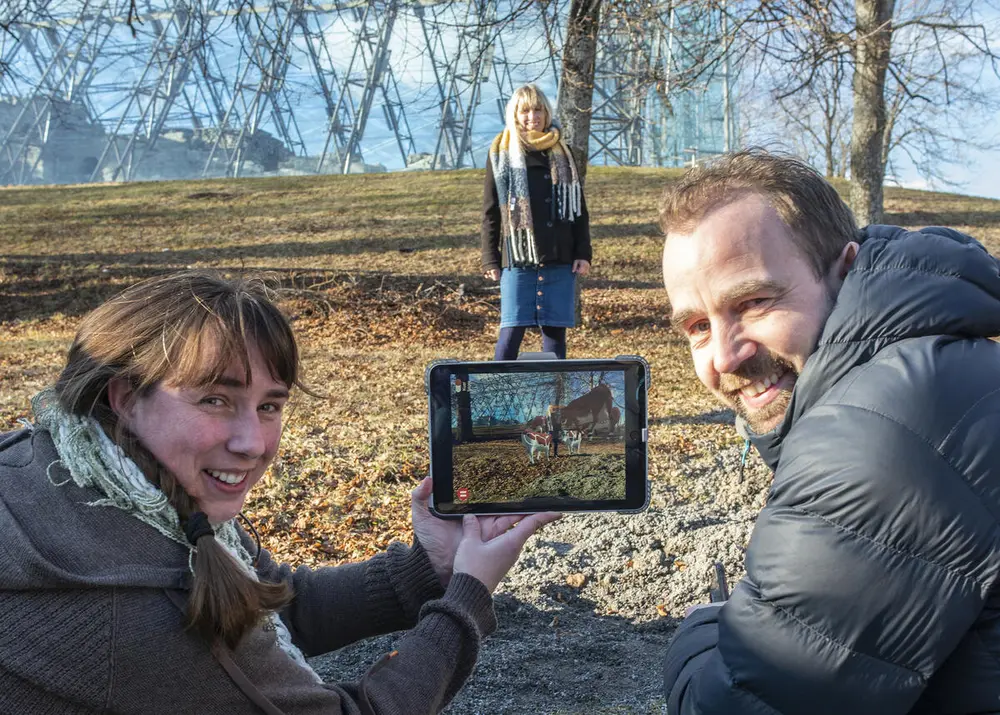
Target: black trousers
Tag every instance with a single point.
(509, 342)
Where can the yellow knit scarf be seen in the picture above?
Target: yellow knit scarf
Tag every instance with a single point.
(540, 141)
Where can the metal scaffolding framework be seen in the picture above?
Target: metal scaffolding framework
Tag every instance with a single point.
(518, 397)
(199, 89)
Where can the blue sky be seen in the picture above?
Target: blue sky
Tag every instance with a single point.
(979, 179)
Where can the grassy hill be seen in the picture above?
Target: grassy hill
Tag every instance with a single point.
(381, 275)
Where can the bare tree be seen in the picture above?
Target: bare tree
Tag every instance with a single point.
(576, 85)
(914, 65)
(15, 13)
(872, 44)
(938, 109)
(817, 118)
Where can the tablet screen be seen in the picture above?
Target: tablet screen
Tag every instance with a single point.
(520, 438)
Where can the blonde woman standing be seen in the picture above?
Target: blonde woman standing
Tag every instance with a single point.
(536, 229)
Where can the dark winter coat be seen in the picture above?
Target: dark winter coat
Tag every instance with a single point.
(91, 616)
(558, 241)
(872, 571)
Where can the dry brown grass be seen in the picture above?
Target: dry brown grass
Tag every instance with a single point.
(382, 273)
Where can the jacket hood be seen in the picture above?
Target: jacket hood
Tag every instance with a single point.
(54, 538)
(903, 284)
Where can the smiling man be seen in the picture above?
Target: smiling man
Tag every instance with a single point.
(859, 363)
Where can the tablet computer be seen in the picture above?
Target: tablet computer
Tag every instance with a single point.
(525, 436)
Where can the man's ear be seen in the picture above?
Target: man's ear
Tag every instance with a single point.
(121, 397)
(846, 259)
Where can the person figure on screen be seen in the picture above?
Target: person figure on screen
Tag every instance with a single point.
(555, 424)
(127, 584)
(535, 236)
(859, 364)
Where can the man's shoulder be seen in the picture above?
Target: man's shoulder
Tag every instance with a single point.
(930, 379)
(899, 456)
(914, 418)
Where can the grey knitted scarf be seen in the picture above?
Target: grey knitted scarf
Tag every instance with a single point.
(94, 460)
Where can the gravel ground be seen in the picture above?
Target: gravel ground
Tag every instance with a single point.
(587, 612)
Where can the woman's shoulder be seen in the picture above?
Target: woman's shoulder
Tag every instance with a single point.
(74, 532)
(16, 447)
(28, 448)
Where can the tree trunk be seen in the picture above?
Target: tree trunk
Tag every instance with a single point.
(576, 90)
(576, 83)
(871, 59)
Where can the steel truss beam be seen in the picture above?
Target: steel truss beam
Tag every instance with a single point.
(65, 64)
(460, 78)
(368, 74)
(621, 77)
(639, 117)
(233, 77)
(175, 51)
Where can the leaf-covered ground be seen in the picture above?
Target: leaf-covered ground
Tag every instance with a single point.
(500, 470)
(380, 275)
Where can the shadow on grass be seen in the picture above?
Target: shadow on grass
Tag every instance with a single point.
(72, 284)
(620, 230)
(276, 248)
(42, 290)
(921, 219)
(642, 320)
(713, 417)
(603, 283)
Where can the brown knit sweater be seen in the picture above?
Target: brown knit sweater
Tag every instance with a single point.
(89, 623)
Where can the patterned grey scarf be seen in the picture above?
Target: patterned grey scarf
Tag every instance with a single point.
(510, 173)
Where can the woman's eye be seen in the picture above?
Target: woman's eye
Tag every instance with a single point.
(270, 408)
(213, 401)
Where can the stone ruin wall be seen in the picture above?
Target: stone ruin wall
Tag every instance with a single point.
(75, 144)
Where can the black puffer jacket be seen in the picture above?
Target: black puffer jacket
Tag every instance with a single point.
(558, 241)
(872, 572)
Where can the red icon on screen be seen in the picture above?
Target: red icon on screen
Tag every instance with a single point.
(462, 494)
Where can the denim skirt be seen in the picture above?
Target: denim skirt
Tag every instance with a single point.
(545, 295)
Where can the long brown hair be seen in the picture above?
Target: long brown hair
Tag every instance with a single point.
(158, 329)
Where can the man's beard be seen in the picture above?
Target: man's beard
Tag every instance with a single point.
(758, 368)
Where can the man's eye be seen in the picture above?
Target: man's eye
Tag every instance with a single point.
(753, 303)
(213, 401)
(699, 329)
(271, 408)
